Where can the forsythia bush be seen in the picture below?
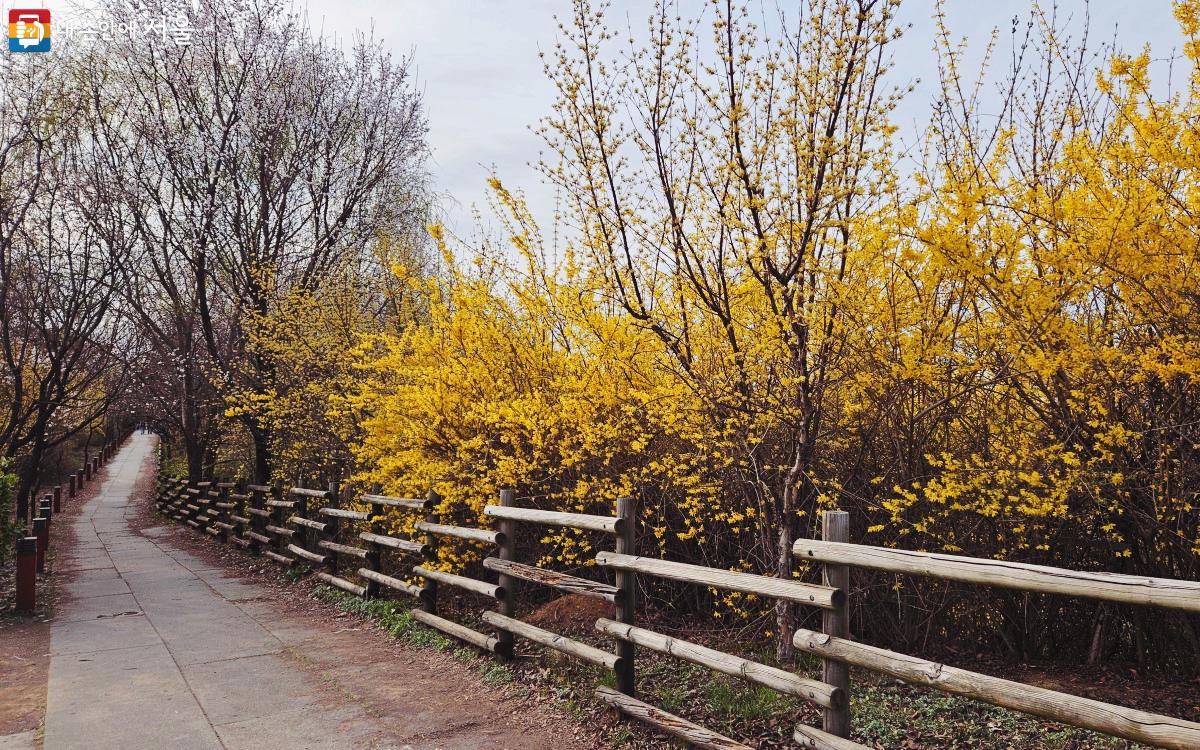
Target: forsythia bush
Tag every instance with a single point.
(999, 356)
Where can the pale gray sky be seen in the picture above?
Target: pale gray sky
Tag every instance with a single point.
(484, 87)
(478, 66)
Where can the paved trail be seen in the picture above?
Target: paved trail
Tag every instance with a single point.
(155, 648)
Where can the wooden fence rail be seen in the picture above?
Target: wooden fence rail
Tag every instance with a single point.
(314, 527)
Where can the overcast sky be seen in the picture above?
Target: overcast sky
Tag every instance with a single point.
(484, 87)
(478, 67)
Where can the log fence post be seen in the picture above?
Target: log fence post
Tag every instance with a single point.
(57, 498)
(27, 564)
(223, 513)
(277, 519)
(332, 527)
(304, 534)
(835, 527)
(240, 509)
(429, 600)
(507, 551)
(73, 486)
(626, 601)
(374, 549)
(257, 522)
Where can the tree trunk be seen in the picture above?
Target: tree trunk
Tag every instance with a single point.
(785, 565)
(263, 460)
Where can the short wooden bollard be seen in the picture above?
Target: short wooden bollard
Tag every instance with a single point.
(57, 498)
(46, 507)
(41, 530)
(87, 471)
(73, 486)
(27, 567)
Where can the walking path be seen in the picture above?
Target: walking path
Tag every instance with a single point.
(156, 648)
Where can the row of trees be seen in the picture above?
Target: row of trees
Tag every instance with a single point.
(166, 204)
(59, 339)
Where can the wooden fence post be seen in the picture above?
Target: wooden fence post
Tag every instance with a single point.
(626, 602)
(256, 521)
(507, 551)
(835, 527)
(73, 487)
(57, 498)
(429, 600)
(277, 519)
(374, 549)
(331, 530)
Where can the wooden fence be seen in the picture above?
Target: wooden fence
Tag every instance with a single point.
(347, 548)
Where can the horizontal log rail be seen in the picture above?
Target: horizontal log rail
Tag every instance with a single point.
(391, 583)
(552, 578)
(262, 538)
(306, 492)
(282, 559)
(405, 545)
(300, 521)
(606, 524)
(561, 643)
(312, 557)
(353, 515)
(813, 691)
(812, 738)
(342, 549)
(1106, 718)
(259, 487)
(462, 532)
(280, 503)
(461, 632)
(466, 584)
(239, 519)
(281, 531)
(1115, 587)
(669, 723)
(398, 502)
(259, 512)
(747, 583)
(342, 584)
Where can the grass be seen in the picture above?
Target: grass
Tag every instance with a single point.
(886, 713)
(891, 714)
(738, 700)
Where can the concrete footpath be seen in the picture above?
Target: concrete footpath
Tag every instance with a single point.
(155, 648)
